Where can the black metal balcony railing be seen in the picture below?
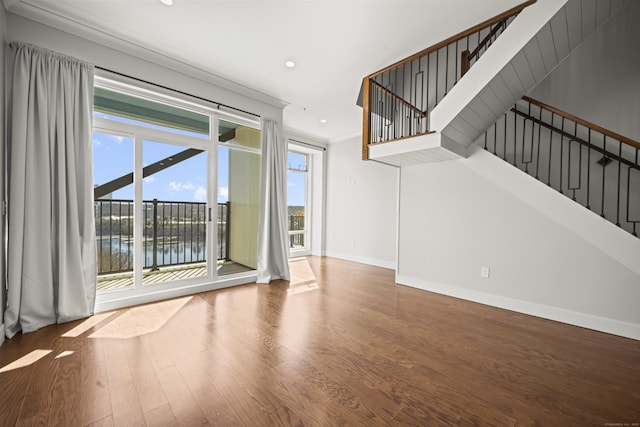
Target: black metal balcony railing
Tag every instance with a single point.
(397, 101)
(174, 233)
(296, 231)
(593, 166)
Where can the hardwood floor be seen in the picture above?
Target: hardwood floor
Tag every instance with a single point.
(342, 346)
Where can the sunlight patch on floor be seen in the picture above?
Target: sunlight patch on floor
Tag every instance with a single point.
(26, 360)
(65, 354)
(302, 277)
(141, 320)
(87, 324)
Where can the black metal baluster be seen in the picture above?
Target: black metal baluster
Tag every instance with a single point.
(402, 124)
(618, 197)
(561, 155)
(228, 234)
(437, 72)
(504, 141)
(515, 137)
(570, 163)
(101, 204)
(427, 110)
(495, 136)
(154, 245)
(455, 74)
(589, 169)
(551, 132)
(604, 151)
(446, 72)
(539, 140)
(171, 239)
(633, 222)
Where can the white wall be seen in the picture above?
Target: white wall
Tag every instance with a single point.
(547, 256)
(139, 63)
(600, 80)
(361, 206)
(3, 39)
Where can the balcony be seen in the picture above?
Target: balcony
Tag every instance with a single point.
(173, 244)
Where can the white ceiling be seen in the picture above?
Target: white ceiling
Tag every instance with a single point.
(334, 43)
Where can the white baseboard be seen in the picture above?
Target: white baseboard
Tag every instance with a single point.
(602, 324)
(1, 333)
(363, 260)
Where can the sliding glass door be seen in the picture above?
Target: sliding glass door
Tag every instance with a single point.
(153, 165)
(176, 189)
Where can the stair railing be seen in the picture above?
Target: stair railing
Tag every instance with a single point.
(596, 167)
(398, 99)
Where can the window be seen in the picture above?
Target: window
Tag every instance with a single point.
(297, 196)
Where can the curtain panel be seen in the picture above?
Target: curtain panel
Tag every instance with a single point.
(51, 247)
(273, 248)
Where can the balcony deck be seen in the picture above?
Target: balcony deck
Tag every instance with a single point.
(166, 274)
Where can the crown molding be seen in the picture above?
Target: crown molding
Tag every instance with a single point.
(40, 14)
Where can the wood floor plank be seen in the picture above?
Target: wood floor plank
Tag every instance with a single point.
(144, 376)
(66, 395)
(102, 422)
(354, 349)
(161, 416)
(96, 400)
(183, 404)
(125, 403)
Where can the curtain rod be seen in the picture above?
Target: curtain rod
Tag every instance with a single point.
(317, 147)
(178, 91)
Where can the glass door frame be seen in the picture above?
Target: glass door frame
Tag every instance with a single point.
(140, 134)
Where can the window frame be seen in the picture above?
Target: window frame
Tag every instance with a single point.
(306, 249)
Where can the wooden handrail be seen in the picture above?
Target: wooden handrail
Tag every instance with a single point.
(466, 56)
(399, 98)
(486, 39)
(513, 11)
(583, 122)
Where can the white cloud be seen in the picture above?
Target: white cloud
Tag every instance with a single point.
(200, 194)
(223, 194)
(149, 179)
(179, 186)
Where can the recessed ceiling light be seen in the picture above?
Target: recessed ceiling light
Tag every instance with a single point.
(167, 2)
(289, 64)
(323, 120)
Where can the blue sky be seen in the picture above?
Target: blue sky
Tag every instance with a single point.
(184, 181)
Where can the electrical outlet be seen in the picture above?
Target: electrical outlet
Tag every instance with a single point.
(484, 272)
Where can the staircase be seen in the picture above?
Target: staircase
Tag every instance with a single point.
(423, 110)
(469, 89)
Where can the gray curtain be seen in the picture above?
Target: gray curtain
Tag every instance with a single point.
(51, 248)
(273, 250)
